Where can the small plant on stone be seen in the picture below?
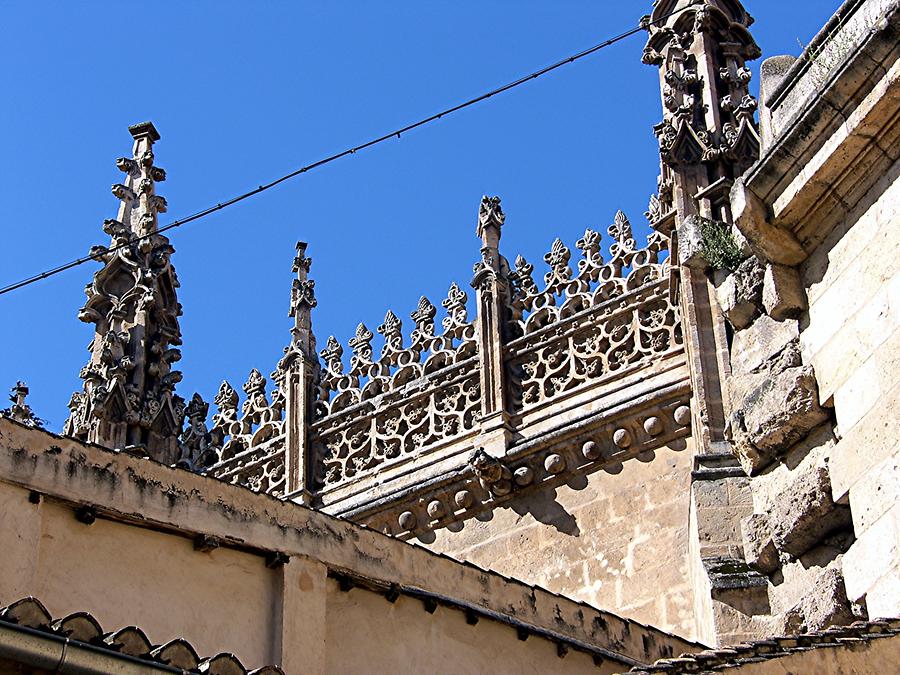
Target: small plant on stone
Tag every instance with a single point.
(824, 58)
(719, 247)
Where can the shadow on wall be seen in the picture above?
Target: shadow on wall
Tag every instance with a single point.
(543, 504)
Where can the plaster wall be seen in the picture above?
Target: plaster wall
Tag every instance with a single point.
(222, 600)
(617, 539)
(377, 636)
(852, 338)
(136, 565)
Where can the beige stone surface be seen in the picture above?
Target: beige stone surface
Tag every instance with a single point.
(877, 493)
(123, 575)
(598, 540)
(873, 552)
(872, 440)
(783, 296)
(755, 345)
(883, 597)
(851, 285)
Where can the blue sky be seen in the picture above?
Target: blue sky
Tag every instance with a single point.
(242, 93)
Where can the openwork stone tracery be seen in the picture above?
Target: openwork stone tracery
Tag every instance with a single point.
(339, 424)
(593, 323)
(449, 383)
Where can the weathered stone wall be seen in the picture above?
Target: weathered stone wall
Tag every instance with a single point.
(853, 341)
(617, 539)
(813, 400)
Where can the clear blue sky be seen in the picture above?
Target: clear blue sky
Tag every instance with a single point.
(243, 92)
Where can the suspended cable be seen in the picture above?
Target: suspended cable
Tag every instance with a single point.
(350, 151)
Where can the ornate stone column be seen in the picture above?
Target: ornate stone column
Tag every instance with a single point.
(492, 285)
(129, 396)
(295, 375)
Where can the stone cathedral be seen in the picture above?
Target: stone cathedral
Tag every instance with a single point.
(677, 455)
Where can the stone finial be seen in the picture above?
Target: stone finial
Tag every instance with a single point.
(490, 221)
(303, 300)
(701, 50)
(303, 291)
(20, 411)
(144, 130)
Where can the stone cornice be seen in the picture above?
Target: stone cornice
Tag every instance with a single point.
(596, 441)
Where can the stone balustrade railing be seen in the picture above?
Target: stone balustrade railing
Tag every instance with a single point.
(444, 392)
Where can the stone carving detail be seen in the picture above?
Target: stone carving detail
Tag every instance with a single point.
(592, 319)
(427, 393)
(593, 324)
(128, 398)
(246, 442)
(438, 407)
(690, 133)
(20, 411)
(485, 481)
(565, 294)
(492, 474)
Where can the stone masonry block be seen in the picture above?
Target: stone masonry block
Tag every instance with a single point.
(768, 241)
(759, 548)
(740, 293)
(872, 440)
(883, 598)
(805, 512)
(780, 407)
(755, 345)
(690, 244)
(782, 293)
(825, 604)
(874, 551)
(876, 493)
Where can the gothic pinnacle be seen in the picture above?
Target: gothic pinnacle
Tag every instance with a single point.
(128, 395)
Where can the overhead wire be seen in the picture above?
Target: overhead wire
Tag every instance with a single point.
(350, 151)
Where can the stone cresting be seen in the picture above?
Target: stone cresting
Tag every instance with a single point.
(128, 397)
(459, 384)
(82, 629)
(246, 444)
(610, 316)
(405, 401)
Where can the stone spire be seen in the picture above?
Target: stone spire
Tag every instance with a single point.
(128, 397)
(708, 135)
(303, 300)
(491, 281)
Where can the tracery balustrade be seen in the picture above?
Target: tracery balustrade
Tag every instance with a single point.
(246, 444)
(593, 323)
(408, 400)
(596, 321)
